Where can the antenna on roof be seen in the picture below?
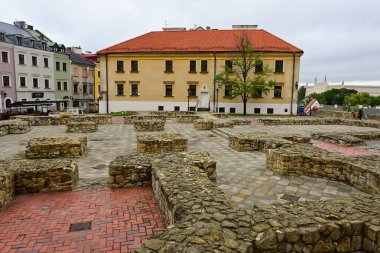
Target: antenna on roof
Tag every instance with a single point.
(166, 23)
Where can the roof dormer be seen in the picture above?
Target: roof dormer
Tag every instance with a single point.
(2, 36)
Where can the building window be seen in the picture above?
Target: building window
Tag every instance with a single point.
(44, 46)
(2, 37)
(232, 110)
(168, 90)
(59, 87)
(6, 81)
(228, 90)
(259, 67)
(98, 73)
(84, 73)
(120, 89)
(192, 108)
(120, 66)
(270, 110)
(256, 110)
(4, 57)
(193, 66)
(286, 110)
(19, 40)
(134, 89)
(65, 86)
(134, 66)
(34, 60)
(160, 108)
(169, 66)
(222, 109)
(58, 66)
(35, 82)
(204, 66)
(75, 88)
(177, 108)
(192, 90)
(228, 65)
(21, 59)
(47, 85)
(46, 62)
(32, 43)
(277, 92)
(90, 73)
(64, 66)
(22, 81)
(76, 72)
(279, 67)
(84, 88)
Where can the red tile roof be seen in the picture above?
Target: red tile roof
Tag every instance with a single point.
(200, 41)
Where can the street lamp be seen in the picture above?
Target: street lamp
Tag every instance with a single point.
(217, 98)
(188, 99)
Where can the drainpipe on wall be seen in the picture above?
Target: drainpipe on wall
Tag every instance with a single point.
(107, 105)
(214, 82)
(293, 78)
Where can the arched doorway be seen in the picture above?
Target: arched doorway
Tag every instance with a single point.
(8, 102)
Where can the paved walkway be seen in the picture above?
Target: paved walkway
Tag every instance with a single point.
(243, 175)
(121, 220)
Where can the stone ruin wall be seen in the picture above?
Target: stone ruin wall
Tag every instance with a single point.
(159, 143)
(63, 120)
(361, 172)
(331, 114)
(149, 125)
(14, 127)
(56, 147)
(33, 176)
(131, 119)
(81, 127)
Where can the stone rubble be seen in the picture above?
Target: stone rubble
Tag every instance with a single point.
(149, 125)
(14, 127)
(64, 119)
(158, 143)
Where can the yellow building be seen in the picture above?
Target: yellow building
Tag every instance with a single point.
(175, 70)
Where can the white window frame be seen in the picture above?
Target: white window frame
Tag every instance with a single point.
(2, 60)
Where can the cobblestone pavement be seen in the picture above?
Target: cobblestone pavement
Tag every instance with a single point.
(121, 220)
(243, 175)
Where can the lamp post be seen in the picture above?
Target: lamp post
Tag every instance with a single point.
(188, 100)
(217, 99)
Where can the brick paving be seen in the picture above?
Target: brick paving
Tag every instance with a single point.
(121, 220)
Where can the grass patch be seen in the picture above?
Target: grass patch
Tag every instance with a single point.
(123, 113)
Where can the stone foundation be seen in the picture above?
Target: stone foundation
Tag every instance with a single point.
(303, 159)
(33, 176)
(136, 170)
(14, 127)
(338, 138)
(131, 119)
(332, 114)
(7, 187)
(171, 114)
(81, 127)
(257, 142)
(318, 121)
(161, 143)
(204, 124)
(220, 115)
(374, 117)
(56, 147)
(149, 125)
(187, 118)
(65, 119)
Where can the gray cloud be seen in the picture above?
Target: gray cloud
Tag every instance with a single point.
(340, 38)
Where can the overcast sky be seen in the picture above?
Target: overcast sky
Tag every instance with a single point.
(340, 38)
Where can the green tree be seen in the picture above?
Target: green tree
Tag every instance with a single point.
(301, 93)
(375, 101)
(239, 80)
(333, 96)
(358, 99)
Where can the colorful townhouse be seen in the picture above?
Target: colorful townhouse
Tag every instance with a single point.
(94, 58)
(82, 79)
(62, 69)
(7, 71)
(175, 70)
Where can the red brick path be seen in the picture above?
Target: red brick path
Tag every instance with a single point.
(122, 220)
(350, 151)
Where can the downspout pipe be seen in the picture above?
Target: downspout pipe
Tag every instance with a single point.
(107, 105)
(214, 82)
(293, 78)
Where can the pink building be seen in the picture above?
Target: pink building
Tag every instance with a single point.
(7, 74)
